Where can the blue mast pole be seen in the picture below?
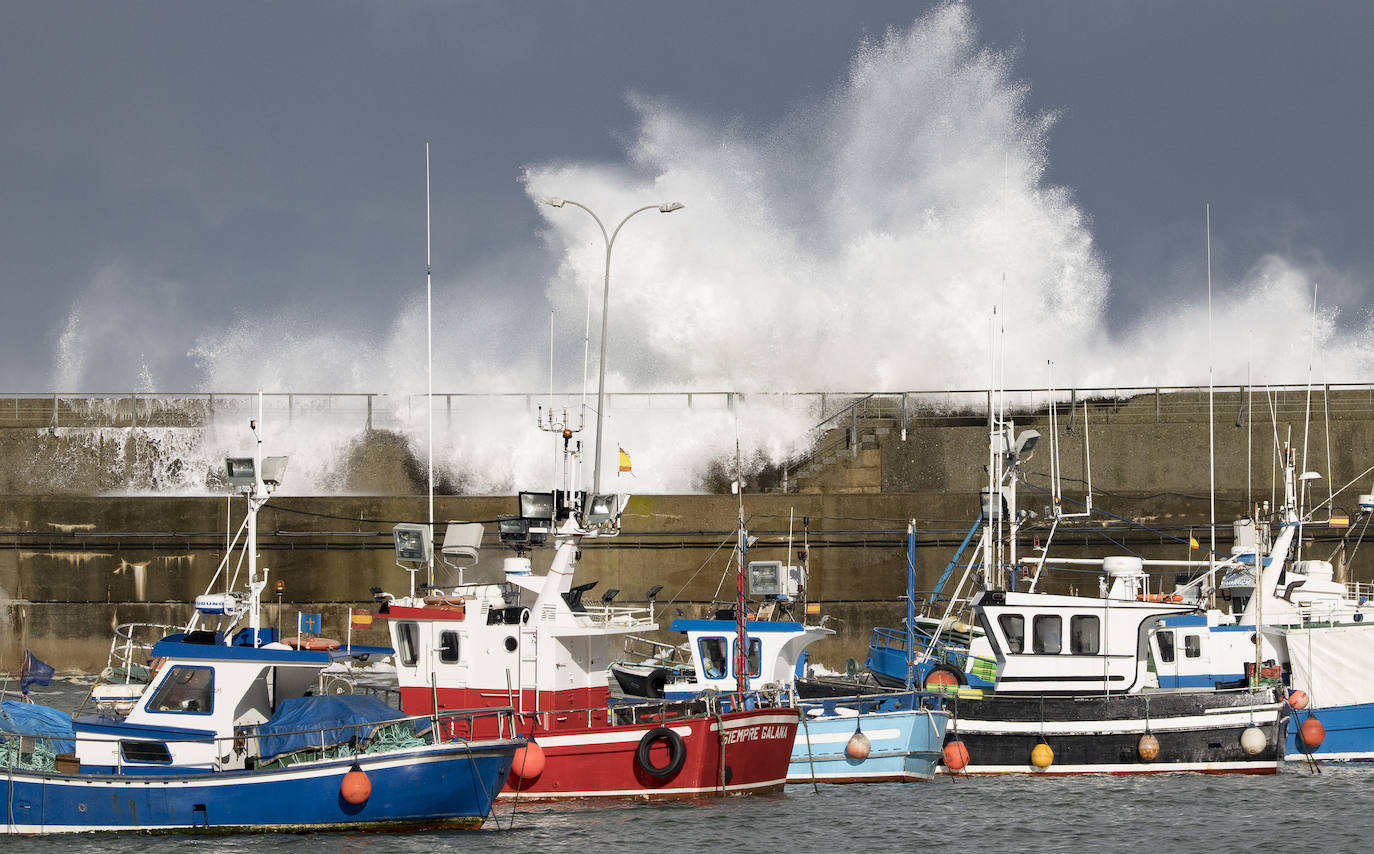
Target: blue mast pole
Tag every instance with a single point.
(910, 603)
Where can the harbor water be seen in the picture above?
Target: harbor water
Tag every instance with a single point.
(1296, 809)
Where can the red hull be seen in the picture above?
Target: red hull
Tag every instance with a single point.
(587, 756)
(750, 756)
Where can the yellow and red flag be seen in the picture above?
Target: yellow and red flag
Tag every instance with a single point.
(624, 461)
(360, 618)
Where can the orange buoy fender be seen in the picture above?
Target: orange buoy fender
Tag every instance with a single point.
(956, 755)
(528, 762)
(1148, 748)
(1042, 756)
(858, 746)
(1312, 733)
(1297, 699)
(356, 786)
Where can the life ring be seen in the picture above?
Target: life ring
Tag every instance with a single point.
(942, 677)
(317, 644)
(677, 752)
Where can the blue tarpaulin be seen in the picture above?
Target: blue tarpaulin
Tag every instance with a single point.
(298, 723)
(31, 719)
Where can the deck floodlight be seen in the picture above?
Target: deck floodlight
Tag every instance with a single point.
(273, 470)
(240, 471)
(413, 542)
(602, 509)
(537, 507)
(1025, 444)
(610, 594)
(1310, 475)
(654, 591)
(462, 541)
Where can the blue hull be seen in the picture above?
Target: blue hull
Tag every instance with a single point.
(1349, 733)
(448, 785)
(905, 742)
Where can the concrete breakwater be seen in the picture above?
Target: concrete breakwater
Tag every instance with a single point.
(72, 568)
(75, 560)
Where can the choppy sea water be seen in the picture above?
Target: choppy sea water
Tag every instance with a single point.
(1295, 809)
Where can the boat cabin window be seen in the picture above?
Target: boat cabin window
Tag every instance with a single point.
(713, 657)
(448, 647)
(407, 639)
(1085, 634)
(1166, 646)
(145, 751)
(754, 658)
(1047, 634)
(1192, 646)
(1014, 627)
(185, 689)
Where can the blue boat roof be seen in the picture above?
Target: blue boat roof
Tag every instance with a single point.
(682, 625)
(1185, 620)
(178, 646)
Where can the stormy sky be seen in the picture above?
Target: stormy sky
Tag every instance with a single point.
(224, 196)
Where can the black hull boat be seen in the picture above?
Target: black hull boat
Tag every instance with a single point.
(1238, 732)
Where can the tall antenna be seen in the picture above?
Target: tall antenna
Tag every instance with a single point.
(429, 352)
(1211, 419)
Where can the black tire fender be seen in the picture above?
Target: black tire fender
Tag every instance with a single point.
(677, 752)
(656, 682)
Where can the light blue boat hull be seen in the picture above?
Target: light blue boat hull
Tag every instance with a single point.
(906, 742)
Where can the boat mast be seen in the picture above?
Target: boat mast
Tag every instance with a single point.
(429, 351)
(741, 552)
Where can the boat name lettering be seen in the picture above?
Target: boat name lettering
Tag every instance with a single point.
(756, 733)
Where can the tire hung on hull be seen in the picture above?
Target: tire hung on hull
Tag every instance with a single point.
(677, 752)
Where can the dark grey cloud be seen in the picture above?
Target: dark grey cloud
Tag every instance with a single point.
(267, 157)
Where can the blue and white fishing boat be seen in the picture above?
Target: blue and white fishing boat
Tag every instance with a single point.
(1316, 634)
(229, 734)
(889, 736)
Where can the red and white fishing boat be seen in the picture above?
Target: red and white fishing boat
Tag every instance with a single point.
(530, 642)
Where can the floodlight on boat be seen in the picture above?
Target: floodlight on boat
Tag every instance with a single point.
(240, 471)
(1366, 503)
(602, 509)
(1310, 475)
(413, 542)
(538, 509)
(1025, 444)
(462, 541)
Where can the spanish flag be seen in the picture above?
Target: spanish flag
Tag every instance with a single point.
(360, 618)
(624, 461)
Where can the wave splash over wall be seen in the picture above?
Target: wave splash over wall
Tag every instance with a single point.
(858, 244)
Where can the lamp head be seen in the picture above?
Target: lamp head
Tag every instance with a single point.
(669, 207)
(551, 201)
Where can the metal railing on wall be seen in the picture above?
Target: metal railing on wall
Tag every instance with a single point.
(840, 411)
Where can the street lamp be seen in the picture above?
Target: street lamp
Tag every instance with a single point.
(666, 207)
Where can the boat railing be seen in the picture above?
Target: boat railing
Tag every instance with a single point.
(45, 752)
(618, 615)
(1360, 591)
(706, 703)
(131, 649)
(643, 650)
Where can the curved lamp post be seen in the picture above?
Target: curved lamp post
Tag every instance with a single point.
(666, 207)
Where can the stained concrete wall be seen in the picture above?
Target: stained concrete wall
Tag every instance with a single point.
(74, 563)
